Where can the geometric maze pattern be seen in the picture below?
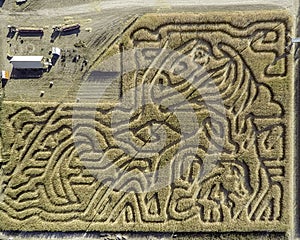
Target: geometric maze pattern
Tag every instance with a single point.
(96, 167)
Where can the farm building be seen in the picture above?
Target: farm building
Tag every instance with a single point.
(25, 31)
(30, 31)
(27, 62)
(67, 28)
(56, 51)
(5, 75)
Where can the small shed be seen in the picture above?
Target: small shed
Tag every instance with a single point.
(56, 51)
(11, 28)
(5, 75)
(21, 1)
(27, 62)
(4, 79)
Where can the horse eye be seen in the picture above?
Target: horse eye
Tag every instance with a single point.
(200, 54)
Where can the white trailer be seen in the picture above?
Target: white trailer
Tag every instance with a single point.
(27, 62)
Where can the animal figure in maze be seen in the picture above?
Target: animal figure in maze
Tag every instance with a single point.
(241, 95)
(94, 171)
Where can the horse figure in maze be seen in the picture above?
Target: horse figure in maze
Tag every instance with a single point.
(242, 96)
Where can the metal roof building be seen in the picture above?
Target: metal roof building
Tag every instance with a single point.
(27, 62)
(32, 31)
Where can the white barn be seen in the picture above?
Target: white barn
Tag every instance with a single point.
(27, 62)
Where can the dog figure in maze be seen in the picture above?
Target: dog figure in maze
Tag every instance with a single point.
(235, 173)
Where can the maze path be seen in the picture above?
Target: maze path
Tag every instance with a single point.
(201, 142)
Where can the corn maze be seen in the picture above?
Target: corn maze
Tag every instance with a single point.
(218, 142)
